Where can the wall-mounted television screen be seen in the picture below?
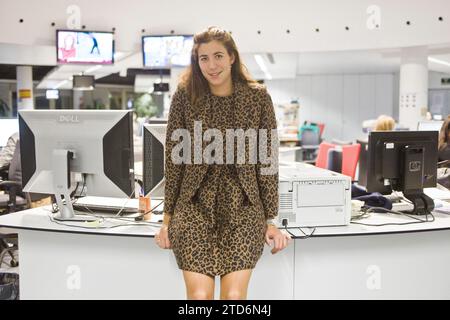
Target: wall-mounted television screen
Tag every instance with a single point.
(84, 47)
(161, 52)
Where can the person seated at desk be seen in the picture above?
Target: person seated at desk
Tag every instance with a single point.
(6, 154)
(384, 123)
(444, 137)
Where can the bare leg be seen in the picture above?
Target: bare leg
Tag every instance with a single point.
(198, 286)
(234, 285)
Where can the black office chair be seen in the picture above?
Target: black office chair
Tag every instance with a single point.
(13, 199)
(334, 160)
(310, 141)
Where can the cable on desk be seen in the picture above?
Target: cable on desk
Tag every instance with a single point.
(284, 222)
(418, 220)
(96, 225)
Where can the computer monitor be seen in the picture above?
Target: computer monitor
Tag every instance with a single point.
(404, 161)
(429, 125)
(57, 144)
(8, 126)
(153, 164)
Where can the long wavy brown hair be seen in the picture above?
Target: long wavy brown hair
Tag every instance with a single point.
(194, 81)
(444, 134)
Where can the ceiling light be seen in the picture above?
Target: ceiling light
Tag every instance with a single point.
(445, 63)
(92, 69)
(260, 61)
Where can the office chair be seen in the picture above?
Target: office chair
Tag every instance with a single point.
(321, 129)
(341, 142)
(334, 160)
(350, 158)
(12, 200)
(310, 140)
(322, 155)
(342, 159)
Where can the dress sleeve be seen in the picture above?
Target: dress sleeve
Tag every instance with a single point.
(268, 181)
(173, 173)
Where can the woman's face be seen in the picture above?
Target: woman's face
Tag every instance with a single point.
(215, 63)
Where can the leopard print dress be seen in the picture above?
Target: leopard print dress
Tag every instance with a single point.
(219, 231)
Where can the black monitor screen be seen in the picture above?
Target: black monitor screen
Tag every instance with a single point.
(408, 159)
(153, 164)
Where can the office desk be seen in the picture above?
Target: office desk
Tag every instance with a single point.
(349, 262)
(60, 262)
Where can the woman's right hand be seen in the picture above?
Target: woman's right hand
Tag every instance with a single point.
(162, 237)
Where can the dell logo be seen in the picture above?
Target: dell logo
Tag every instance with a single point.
(71, 118)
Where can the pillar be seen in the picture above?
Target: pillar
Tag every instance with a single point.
(413, 86)
(25, 99)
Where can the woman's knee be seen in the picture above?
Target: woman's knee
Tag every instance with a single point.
(200, 294)
(234, 295)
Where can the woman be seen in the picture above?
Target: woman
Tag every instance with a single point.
(217, 216)
(444, 137)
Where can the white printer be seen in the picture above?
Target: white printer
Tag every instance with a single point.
(311, 196)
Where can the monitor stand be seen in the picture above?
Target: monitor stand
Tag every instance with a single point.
(158, 191)
(423, 204)
(414, 161)
(61, 181)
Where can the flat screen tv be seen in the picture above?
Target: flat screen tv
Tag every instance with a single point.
(84, 47)
(163, 52)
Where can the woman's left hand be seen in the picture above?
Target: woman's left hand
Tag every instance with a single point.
(277, 238)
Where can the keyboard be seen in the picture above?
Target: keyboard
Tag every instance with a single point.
(107, 205)
(402, 206)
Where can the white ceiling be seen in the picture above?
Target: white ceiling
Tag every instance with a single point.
(243, 18)
(360, 49)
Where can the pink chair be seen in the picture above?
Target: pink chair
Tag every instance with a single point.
(350, 158)
(322, 156)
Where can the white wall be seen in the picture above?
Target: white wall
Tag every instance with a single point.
(342, 102)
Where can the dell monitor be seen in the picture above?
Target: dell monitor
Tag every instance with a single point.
(164, 52)
(84, 47)
(153, 164)
(57, 144)
(404, 161)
